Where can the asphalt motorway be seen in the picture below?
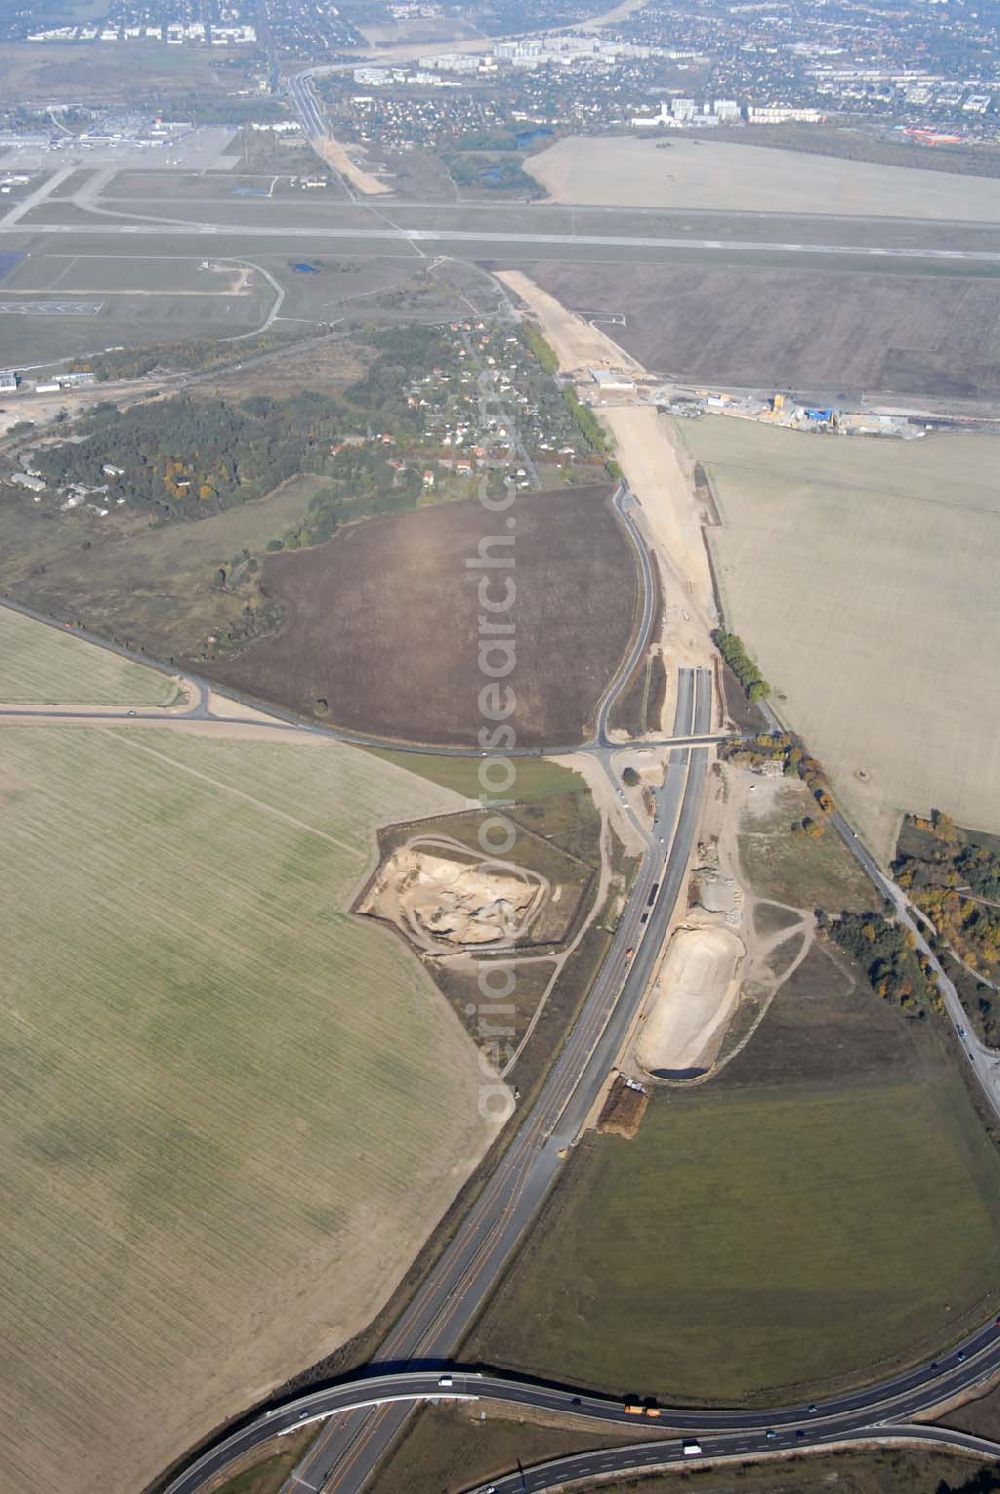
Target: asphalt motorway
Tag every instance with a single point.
(431, 1329)
(453, 1293)
(565, 1473)
(879, 1412)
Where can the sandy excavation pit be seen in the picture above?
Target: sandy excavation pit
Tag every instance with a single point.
(445, 898)
(696, 995)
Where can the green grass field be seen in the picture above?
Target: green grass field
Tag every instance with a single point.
(446, 1450)
(268, 1473)
(229, 1111)
(40, 665)
(144, 299)
(755, 1241)
(537, 777)
(829, 1205)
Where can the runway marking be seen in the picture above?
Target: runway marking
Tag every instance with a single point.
(50, 308)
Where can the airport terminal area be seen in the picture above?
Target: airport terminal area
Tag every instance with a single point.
(116, 142)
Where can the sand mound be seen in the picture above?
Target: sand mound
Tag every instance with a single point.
(696, 994)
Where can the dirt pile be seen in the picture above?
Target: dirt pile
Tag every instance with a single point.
(442, 896)
(718, 894)
(696, 994)
(623, 1109)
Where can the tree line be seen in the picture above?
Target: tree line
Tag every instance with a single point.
(788, 750)
(194, 354)
(591, 429)
(733, 650)
(537, 344)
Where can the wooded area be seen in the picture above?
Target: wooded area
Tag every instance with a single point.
(954, 878)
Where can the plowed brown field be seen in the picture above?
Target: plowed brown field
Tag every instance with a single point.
(382, 624)
(932, 336)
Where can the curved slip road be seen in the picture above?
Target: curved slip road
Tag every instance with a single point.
(879, 1412)
(591, 1468)
(623, 502)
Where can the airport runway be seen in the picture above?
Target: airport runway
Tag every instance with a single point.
(505, 233)
(507, 245)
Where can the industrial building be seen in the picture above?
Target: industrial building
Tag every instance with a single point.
(610, 381)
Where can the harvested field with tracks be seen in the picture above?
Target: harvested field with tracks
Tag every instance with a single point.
(40, 666)
(860, 574)
(230, 1111)
(381, 631)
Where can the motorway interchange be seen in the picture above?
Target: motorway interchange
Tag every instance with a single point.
(363, 1415)
(366, 1413)
(882, 1414)
(432, 1328)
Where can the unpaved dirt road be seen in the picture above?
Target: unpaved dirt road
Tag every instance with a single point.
(335, 155)
(576, 343)
(649, 460)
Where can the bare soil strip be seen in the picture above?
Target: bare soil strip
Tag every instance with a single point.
(650, 461)
(335, 155)
(576, 343)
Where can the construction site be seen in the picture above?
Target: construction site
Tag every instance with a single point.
(786, 411)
